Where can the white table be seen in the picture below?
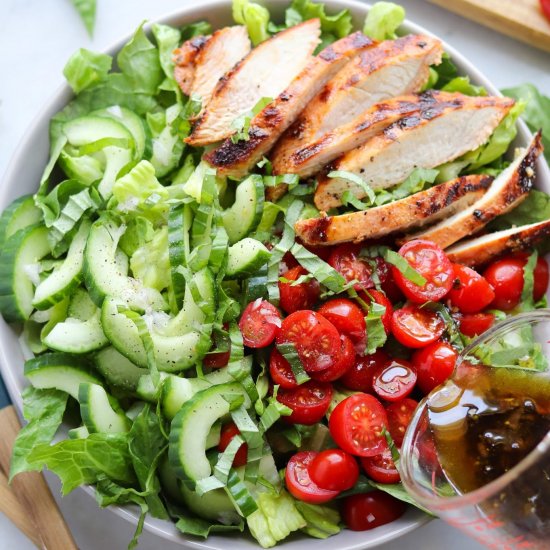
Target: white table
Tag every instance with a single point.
(37, 37)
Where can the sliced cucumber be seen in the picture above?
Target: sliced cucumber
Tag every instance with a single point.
(191, 425)
(66, 276)
(84, 169)
(22, 250)
(60, 371)
(78, 433)
(245, 258)
(75, 336)
(100, 411)
(117, 369)
(246, 212)
(146, 388)
(90, 129)
(81, 306)
(21, 213)
(104, 275)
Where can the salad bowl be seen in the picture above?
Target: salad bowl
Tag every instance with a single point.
(23, 175)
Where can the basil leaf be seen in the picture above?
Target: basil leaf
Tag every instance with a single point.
(527, 302)
(288, 351)
(404, 267)
(376, 333)
(354, 178)
(241, 124)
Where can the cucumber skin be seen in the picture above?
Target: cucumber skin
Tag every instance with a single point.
(119, 424)
(22, 213)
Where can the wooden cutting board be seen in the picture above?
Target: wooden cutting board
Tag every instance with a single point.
(520, 19)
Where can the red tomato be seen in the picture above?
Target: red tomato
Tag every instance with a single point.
(356, 425)
(334, 469)
(381, 468)
(399, 417)
(387, 281)
(474, 324)
(299, 483)
(545, 6)
(432, 263)
(394, 381)
(301, 296)
(322, 252)
(309, 402)
(217, 359)
(229, 431)
(317, 341)
(347, 317)
(342, 365)
(259, 323)
(281, 371)
(369, 510)
(434, 364)
(416, 327)
(382, 299)
(346, 260)
(359, 377)
(470, 292)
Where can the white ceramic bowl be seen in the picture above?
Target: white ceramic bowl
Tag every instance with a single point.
(22, 177)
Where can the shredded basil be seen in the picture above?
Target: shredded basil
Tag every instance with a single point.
(288, 351)
(354, 178)
(376, 333)
(451, 326)
(404, 267)
(241, 124)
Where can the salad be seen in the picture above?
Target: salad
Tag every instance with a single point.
(252, 252)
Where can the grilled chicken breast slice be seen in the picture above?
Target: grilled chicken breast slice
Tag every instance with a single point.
(265, 72)
(482, 250)
(236, 159)
(184, 59)
(417, 210)
(437, 134)
(506, 192)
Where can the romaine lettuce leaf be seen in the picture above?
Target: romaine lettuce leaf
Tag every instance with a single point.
(322, 521)
(415, 183)
(86, 68)
(254, 16)
(535, 208)
(168, 39)
(86, 9)
(383, 20)
(150, 263)
(463, 85)
(337, 25)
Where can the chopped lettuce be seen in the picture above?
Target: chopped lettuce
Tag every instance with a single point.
(86, 68)
(86, 9)
(535, 208)
(463, 85)
(415, 182)
(168, 39)
(254, 16)
(383, 20)
(322, 521)
(335, 26)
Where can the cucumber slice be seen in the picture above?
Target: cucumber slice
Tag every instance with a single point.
(81, 306)
(22, 250)
(84, 169)
(118, 370)
(66, 276)
(245, 258)
(104, 275)
(91, 129)
(100, 411)
(21, 213)
(246, 212)
(75, 336)
(191, 425)
(147, 390)
(78, 433)
(60, 371)
(180, 219)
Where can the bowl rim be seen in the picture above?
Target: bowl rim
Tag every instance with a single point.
(64, 94)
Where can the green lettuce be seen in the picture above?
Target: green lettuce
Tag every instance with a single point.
(383, 20)
(332, 26)
(168, 39)
(86, 68)
(463, 85)
(416, 182)
(86, 9)
(254, 16)
(535, 208)
(321, 521)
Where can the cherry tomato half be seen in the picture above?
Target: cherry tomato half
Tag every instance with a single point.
(215, 359)
(316, 340)
(399, 417)
(356, 425)
(300, 296)
(346, 260)
(281, 371)
(259, 323)
(334, 470)
(309, 402)
(347, 317)
(381, 468)
(432, 263)
(369, 510)
(299, 482)
(434, 364)
(383, 300)
(474, 324)
(359, 376)
(470, 292)
(545, 6)
(416, 327)
(229, 431)
(345, 361)
(395, 380)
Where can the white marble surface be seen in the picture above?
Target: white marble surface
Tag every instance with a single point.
(36, 38)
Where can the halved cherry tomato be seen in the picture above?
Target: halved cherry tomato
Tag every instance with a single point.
(470, 292)
(382, 299)
(299, 483)
(356, 425)
(309, 402)
(334, 470)
(347, 317)
(474, 324)
(387, 281)
(432, 263)
(281, 371)
(346, 260)
(381, 468)
(316, 340)
(395, 380)
(322, 252)
(399, 417)
(541, 275)
(229, 431)
(434, 364)
(369, 510)
(342, 365)
(287, 263)
(360, 375)
(545, 6)
(416, 327)
(259, 323)
(300, 296)
(215, 359)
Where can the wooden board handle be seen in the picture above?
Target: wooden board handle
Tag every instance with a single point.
(32, 491)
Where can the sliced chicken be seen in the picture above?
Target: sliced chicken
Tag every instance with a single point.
(236, 159)
(482, 250)
(506, 192)
(440, 133)
(265, 72)
(184, 58)
(392, 68)
(417, 210)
